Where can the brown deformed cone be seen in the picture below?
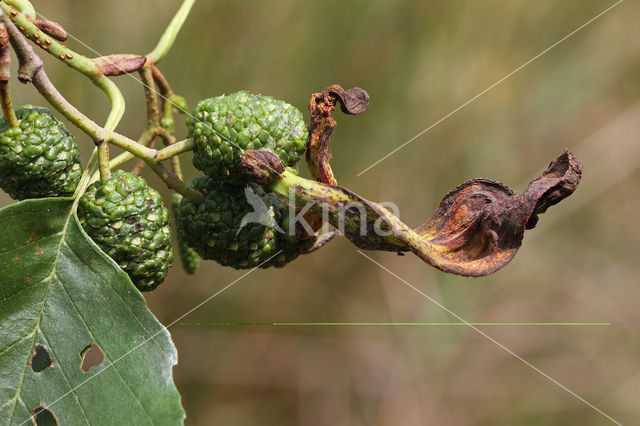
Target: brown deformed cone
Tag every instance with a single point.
(476, 230)
(480, 225)
(353, 102)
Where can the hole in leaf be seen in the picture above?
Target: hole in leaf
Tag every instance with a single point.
(91, 356)
(40, 360)
(43, 417)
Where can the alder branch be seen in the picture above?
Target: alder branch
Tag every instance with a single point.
(5, 75)
(32, 70)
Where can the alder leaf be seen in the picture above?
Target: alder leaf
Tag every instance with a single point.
(78, 344)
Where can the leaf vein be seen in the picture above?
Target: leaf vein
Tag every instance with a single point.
(66, 379)
(110, 286)
(44, 301)
(13, 344)
(4, 299)
(111, 364)
(39, 240)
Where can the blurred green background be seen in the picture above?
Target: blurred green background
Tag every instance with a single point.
(418, 60)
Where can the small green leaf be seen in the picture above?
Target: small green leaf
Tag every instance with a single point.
(59, 296)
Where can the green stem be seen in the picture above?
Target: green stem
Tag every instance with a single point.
(97, 133)
(103, 161)
(115, 98)
(173, 182)
(80, 63)
(140, 164)
(153, 115)
(70, 58)
(144, 140)
(85, 180)
(31, 69)
(23, 6)
(169, 139)
(115, 115)
(170, 34)
(5, 76)
(74, 60)
(7, 105)
(42, 83)
(289, 184)
(175, 149)
(161, 81)
(368, 225)
(167, 129)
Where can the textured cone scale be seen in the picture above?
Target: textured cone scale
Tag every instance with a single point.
(39, 158)
(238, 227)
(128, 221)
(225, 126)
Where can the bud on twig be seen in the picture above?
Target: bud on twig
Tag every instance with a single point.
(114, 65)
(262, 165)
(51, 28)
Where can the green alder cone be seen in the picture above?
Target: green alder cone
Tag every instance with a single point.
(237, 227)
(39, 158)
(128, 220)
(224, 126)
(189, 258)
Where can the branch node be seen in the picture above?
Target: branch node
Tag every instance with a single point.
(29, 62)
